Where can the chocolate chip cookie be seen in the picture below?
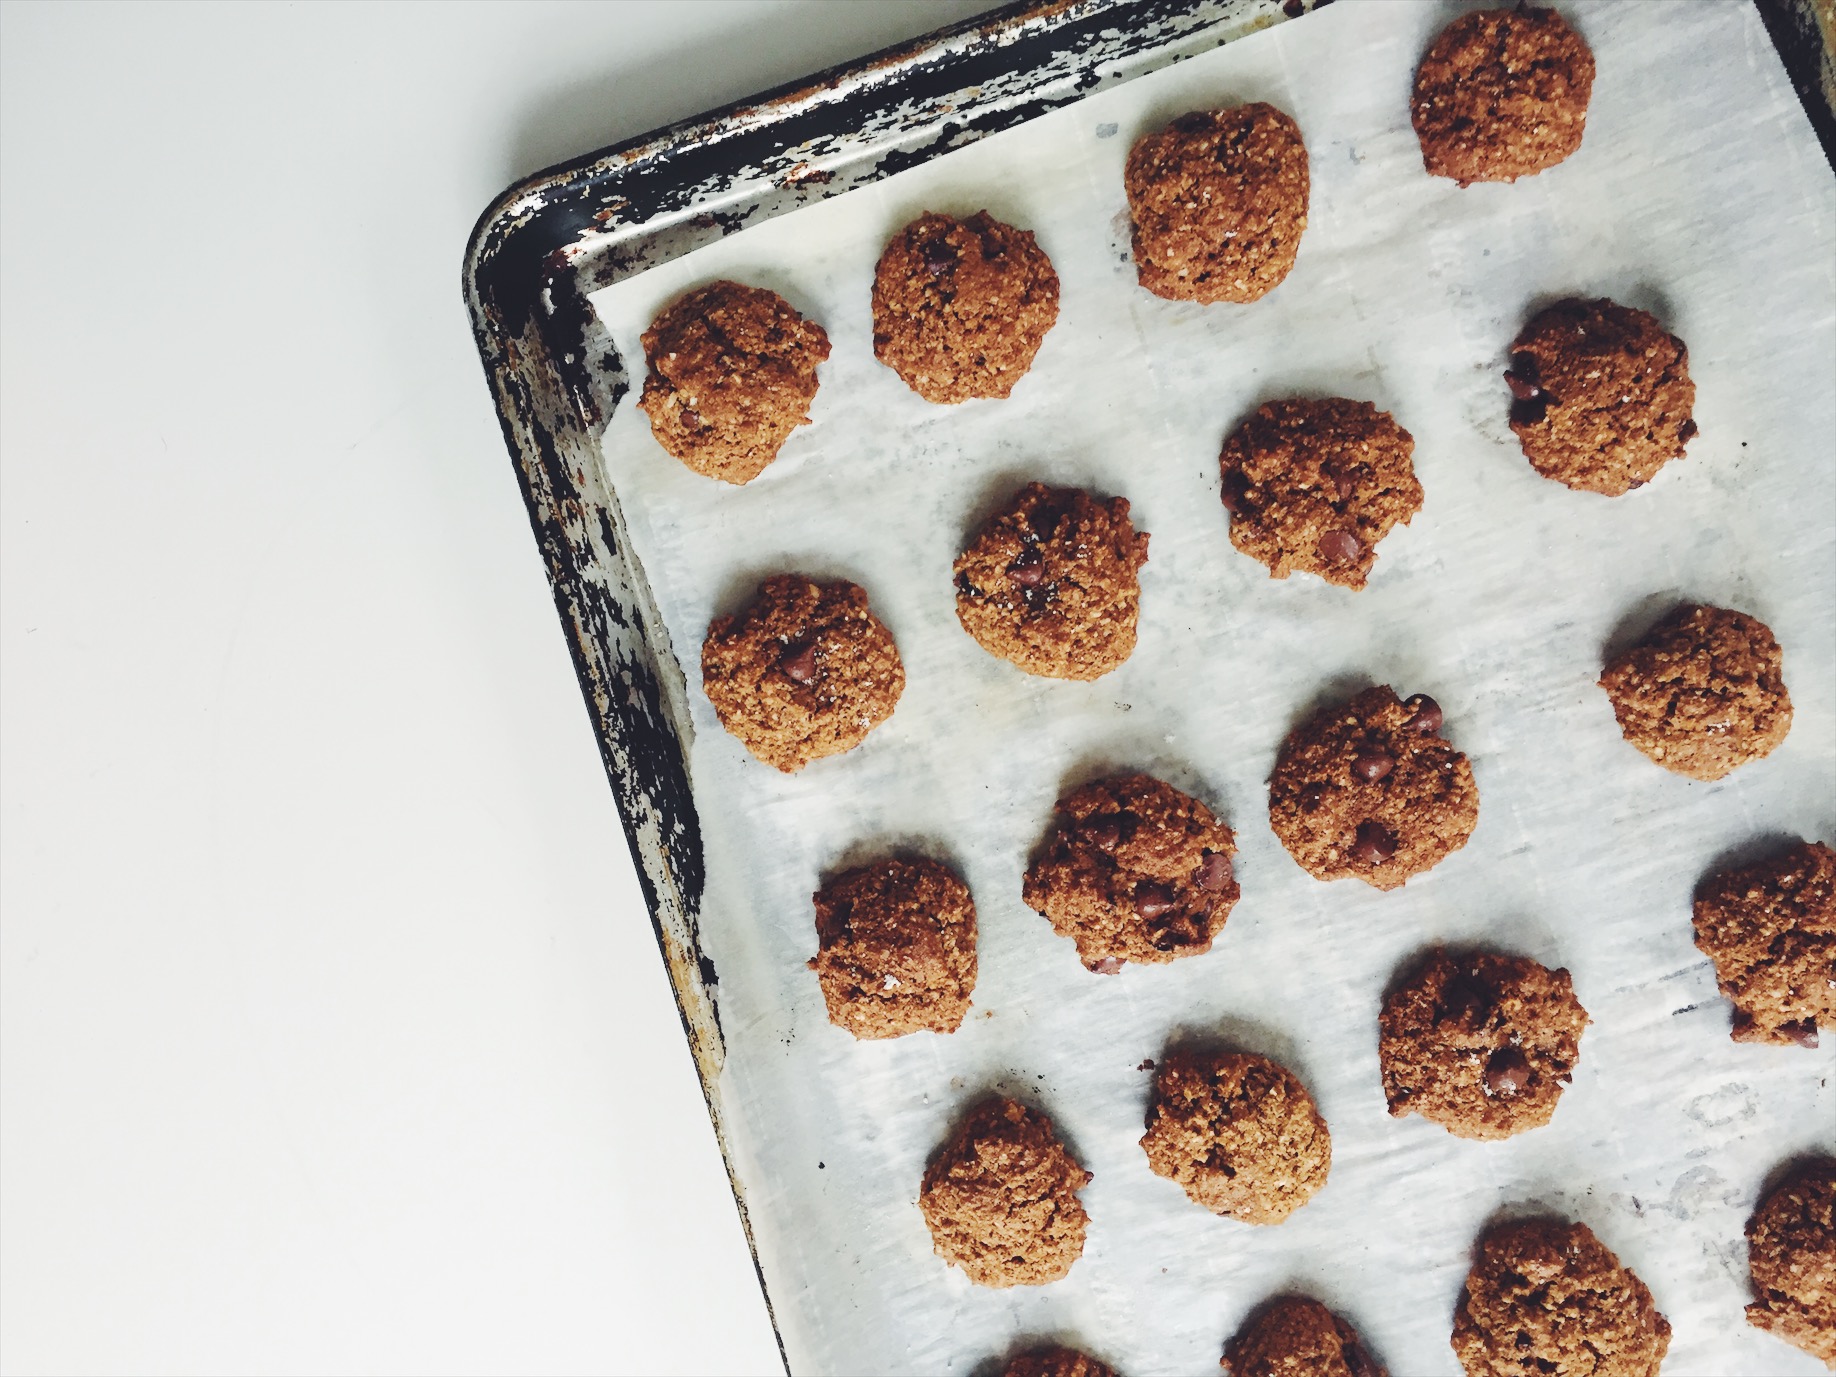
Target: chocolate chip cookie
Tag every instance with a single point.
(1479, 1043)
(1369, 789)
(1000, 1197)
(1238, 1133)
(1501, 94)
(1052, 583)
(1314, 485)
(1218, 201)
(1545, 1296)
(732, 374)
(1703, 693)
(1770, 929)
(1055, 1361)
(1791, 1252)
(1296, 1336)
(805, 671)
(960, 307)
(1600, 395)
(897, 948)
(1134, 870)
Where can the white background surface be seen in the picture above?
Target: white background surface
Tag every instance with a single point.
(332, 1034)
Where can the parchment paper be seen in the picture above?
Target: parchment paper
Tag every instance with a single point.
(1699, 194)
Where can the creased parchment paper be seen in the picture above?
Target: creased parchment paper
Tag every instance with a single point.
(1699, 194)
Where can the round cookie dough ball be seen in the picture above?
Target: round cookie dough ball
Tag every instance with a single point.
(1296, 1336)
(1052, 583)
(1218, 200)
(1601, 396)
(1501, 94)
(1134, 870)
(1770, 929)
(1055, 1361)
(732, 374)
(897, 948)
(1369, 789)
(1000, 1197)
(1702, 694)
(960, 307)
(1238, 1133)
(1314, 485)
(805, 671)
(1547, 1297)
(1481, 1044)
(1791, 1252)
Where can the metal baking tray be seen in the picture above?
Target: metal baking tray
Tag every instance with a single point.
(557, 376)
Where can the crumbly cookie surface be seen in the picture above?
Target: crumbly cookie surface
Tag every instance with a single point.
(1055, 1360)
(1791, 1253)
(1547, 1297)
(1315, 485)
(1501, 94)
(1296, 1336)
(1218, 201)
(960, 307)
(1000, 1197)
(1703, 693)
(1134, 870)
(732, 374)
(1052, 583)
(1370, 789)
(1600, 395)
(1238, 1133)
(1479, 1043)
(805, 671)
(897, 948)
(1770, 929)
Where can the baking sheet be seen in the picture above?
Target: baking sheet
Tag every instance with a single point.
(1699, 194)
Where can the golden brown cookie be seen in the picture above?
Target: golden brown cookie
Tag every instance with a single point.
(897, 948)
(1501, 94)
(1314, 485)
(1296, 1336)
(1052, 583)
(1601, 396)
(732, 374)
(1218, 201)
(1000, 1197)
(1479, 1043)
(1134, 870)
(1791, 1252)
(805, 671)
(960, 307)
(1770, 929)
(1055, 1360)
(1369, 789)
(1547, 1297)
(1238, 1133)
(1702, 694)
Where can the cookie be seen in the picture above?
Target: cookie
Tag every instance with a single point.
(1791, 1252)
(1134, 870)
(897, 950)
(1547, 1297)
(1218, 201)
(1055, 1361)
(1600, 395)
(1702, 693)
(805, 671)
(960, 307)
(1315, 485)
(1052, 583)
(1238, 1133)
(1481, 1044)
(1770, 929)
(1296, 1336)
(1000, 1197)
(1501, 94)
(1369, 789)
(732, 374)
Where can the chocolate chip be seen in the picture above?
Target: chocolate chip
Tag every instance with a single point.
(799, 662)
(1152, 900)
(1147, 1064)
(1530, 411)
(966, 588)
(1104, 833)
(938, 257)
(693, 419)
(1638, 483)
(1339, 547)
(1507, 1073)
(1523, 1339)
(1109, 965)
(1180, 930)
(1236, 489)
(1522, 388)
(1803, 1032)
(1463, 1004)
(1311, 796)
(1294, 9)
(1342, 484)
(1374, 845)
(1523, 363)
(1426, 719)
(1689, 431)
(1028, 571)
(1213, 872)
(1044, 520)
(1371, 766)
